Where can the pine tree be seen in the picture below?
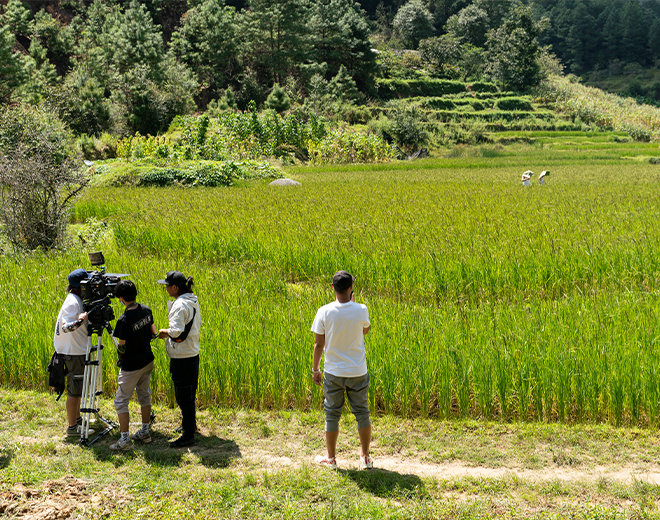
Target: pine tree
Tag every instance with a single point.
(635, 33)
(40, 72)
(342, 87)
(580, 40)
(11, 66)
(654, 39)
(340, 36)
(17, 18)
(208, 43)
(136, 40)
(278, 99)
(277, 38)
(613, 33)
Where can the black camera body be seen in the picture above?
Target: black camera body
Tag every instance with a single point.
(96, 292)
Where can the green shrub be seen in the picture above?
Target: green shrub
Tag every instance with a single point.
(400, 88)
(513, 103)
(208, 174)
(355, 115)
(343, 146)
(483, 86)
(439, 104)
(407, 129)
(159, 177)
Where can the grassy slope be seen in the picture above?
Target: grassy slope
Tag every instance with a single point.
(258, 465)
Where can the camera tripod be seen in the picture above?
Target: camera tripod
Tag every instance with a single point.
(93, 387)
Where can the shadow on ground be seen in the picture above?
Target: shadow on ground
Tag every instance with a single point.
(212, 451)
(387, 484)
(5, 459)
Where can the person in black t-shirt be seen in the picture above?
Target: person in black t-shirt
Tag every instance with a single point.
(134, 331)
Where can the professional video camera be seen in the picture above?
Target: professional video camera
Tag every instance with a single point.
(96, 293)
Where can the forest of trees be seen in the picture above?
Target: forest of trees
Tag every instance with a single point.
(132, 65)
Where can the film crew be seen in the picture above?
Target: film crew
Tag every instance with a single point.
(134, 331)
(182, 334)
(71, 341)
(340, 328)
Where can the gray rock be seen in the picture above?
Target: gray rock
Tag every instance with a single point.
(285, 182)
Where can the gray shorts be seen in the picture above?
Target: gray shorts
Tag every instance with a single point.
(357, 391)
(138, 380)
(75, 366)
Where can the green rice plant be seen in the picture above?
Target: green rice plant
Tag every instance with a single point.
(486, 300)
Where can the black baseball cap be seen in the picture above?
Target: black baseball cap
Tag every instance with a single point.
(77, 276)
(342, 280)
(174, 278)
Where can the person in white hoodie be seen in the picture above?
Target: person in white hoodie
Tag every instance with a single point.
(182, 337)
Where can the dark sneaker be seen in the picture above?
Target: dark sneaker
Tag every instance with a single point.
(74, 431)
(122, 446)
(141, 435)
(183, 441)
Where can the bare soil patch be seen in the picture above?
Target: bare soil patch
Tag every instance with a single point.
(59, 499)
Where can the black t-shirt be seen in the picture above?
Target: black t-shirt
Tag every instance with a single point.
(134, 327)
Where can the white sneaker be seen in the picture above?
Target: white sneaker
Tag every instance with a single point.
(141, 435)
(74, 431)
(122, 446)
(366, 462)
(324, 460)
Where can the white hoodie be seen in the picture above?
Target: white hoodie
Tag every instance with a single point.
(180, 313)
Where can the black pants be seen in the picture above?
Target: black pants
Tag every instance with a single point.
(185, 373)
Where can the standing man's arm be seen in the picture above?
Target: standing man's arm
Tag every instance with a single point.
(319, 344)
(366, 330)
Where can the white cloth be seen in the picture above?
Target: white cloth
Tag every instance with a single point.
(180, 313)
(72, 343)
(526, 182)
(343, 324)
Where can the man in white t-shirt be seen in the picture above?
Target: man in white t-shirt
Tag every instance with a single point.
(340, 328)
(71, 341)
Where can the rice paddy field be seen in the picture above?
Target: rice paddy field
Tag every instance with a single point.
(487, 299)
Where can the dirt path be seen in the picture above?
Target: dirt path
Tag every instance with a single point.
(408, 466)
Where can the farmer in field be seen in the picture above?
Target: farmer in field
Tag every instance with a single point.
(182, 336)
(134, 331)
(71, 342)
(340, 328)
(542, 177)
(527, 178)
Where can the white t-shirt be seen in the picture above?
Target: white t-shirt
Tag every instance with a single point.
(72, 343)
(343, 324)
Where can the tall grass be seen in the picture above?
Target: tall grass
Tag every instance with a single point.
(486, 300)
(607, 111)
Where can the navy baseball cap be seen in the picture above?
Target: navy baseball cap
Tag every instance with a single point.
(342, 280)
(175, 278)
(77, 276)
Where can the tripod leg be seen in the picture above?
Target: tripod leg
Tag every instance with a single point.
(90, 388)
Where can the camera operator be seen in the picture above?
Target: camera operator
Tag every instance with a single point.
(183, 349)
(134, 331)
(71, 341)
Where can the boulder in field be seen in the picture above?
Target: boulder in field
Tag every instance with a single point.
(285, 182)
